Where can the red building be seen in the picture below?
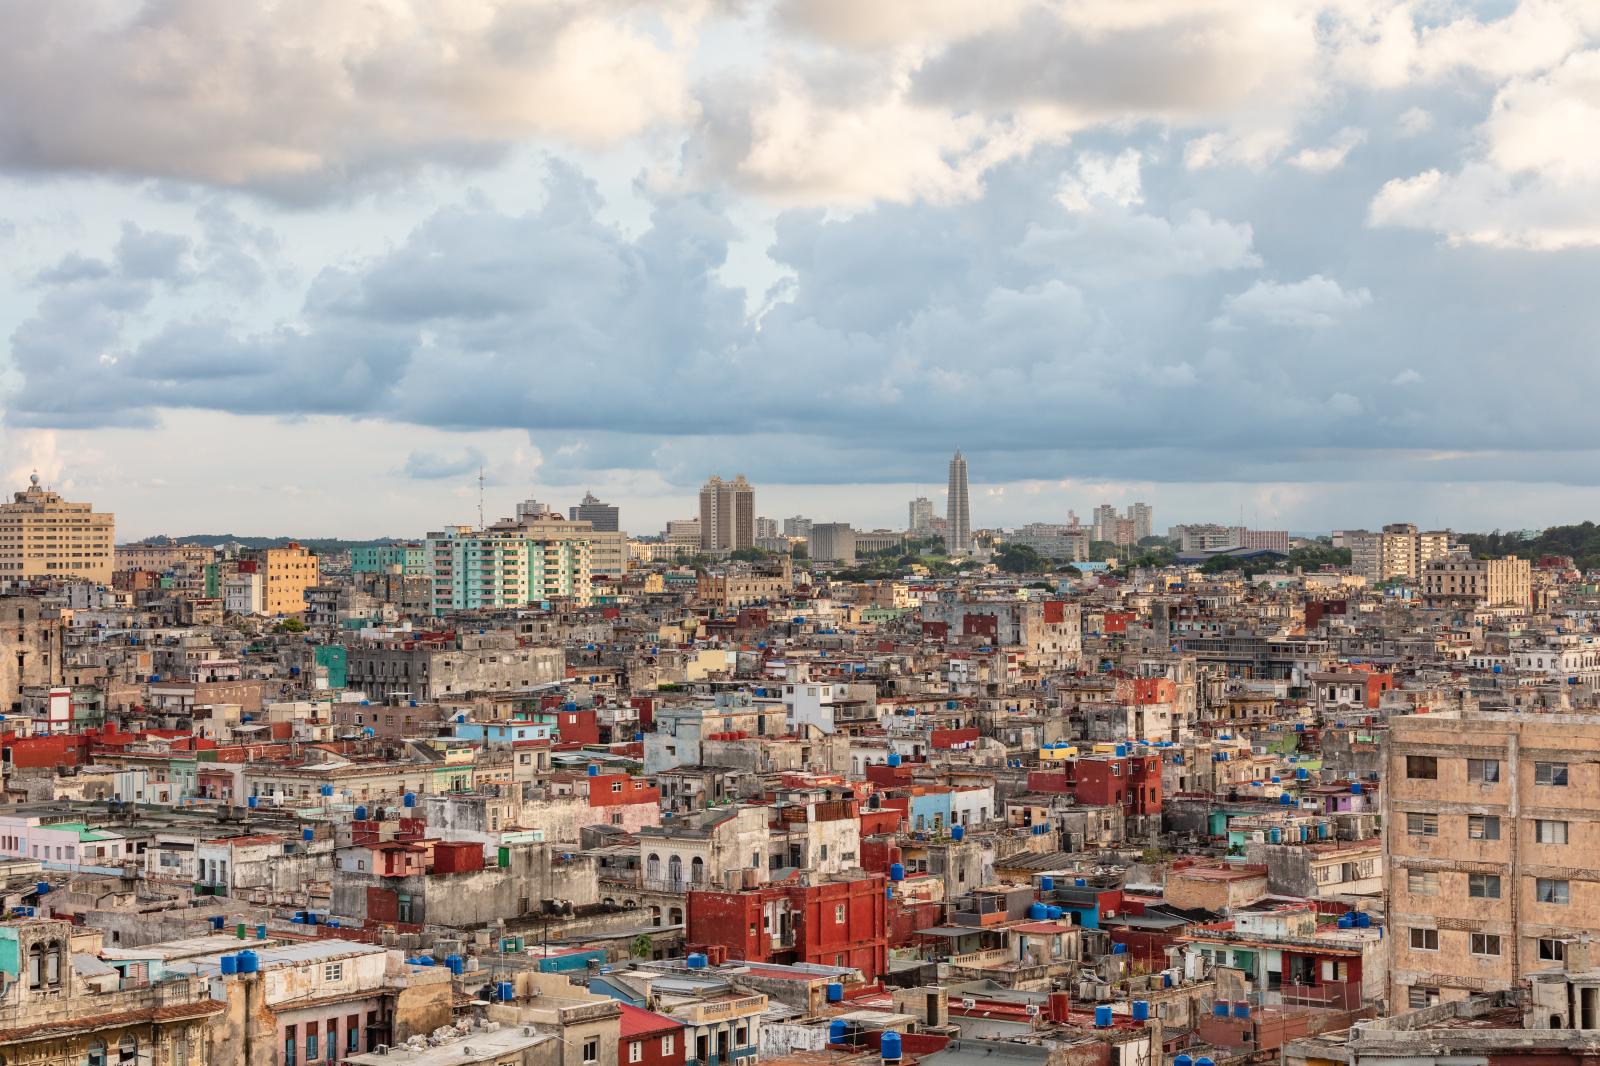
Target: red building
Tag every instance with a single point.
(834, 923)
(1132, 782)
(649, 1039)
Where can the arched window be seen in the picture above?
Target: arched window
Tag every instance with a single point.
(52, 963)
(652, 867)
(675, 916)
(36, 966)
(675, 872)
(697, 871)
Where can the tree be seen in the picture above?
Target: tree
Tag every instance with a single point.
(642, 946)
(1020, 559)
(291, 625)
(749, 555)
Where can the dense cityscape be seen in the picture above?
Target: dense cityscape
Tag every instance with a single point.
(799, 533)
(545, 792)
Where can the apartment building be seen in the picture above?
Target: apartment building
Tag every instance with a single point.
(506, 567)
(1462, 583)
(1398, 551)
(163, 557)
(727, 515)
(286, 573)
(409, 559)
(608, 548)
(1490, 820)
(45, 536)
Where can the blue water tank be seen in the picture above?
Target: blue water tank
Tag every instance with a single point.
(888, 892)
(1276, 779)
(218, 921)
(1274, 836)
(1285, 800)
(697, 961)
(1119, 949)
(594, 771)
(835, 992)
(409, 800)
(1363, 920)
(1038, 911)
(1302, 773)
(1102, 1016)
(890, 1046)
(897, 871)
(424, 960)
(1355, 788)
(1047, 883)
(504, 992)
(1322, 830)
(230, 965)
(361, 814)
(1122, 750)
(1220, 1008)
(958, 832)
(1347, 921)
(894, 758)
(1080, 882)
(1183, 1060)
(251, 803)
(837, 1031)
(455, 964)
(1141, 1010)
(249, 962)
(261, 932)
(1241, 1009)
(1053, 913)
(308, 834)
(41, 888)
(327, 790)
(1203, 1061)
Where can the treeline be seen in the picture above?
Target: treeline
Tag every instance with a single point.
(1581, 542)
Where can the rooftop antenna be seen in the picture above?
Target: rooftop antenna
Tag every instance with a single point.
(480, 495)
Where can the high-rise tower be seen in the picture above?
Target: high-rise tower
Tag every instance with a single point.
(958, 519)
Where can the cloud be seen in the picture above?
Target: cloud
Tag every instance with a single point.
(303, 100)
(1531, 185)
(1314, 303)
(1099, 178)
(1330, 156)
(438, 466)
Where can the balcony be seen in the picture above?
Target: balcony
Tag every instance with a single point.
(720, 1010)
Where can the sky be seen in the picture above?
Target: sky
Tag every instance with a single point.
(299, 268)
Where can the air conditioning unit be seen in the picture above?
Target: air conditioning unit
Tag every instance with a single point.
(967, 1003)
(1033, 1010)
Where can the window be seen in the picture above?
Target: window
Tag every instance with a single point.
(1424, 939)
(1550, 773)
(823, 852)
(636, 1051)
(616, 786)
(1418, 996)
(1485, 944)
(1552, 950)
(1483, 886)
(838, 913)
(1485, 771)
(667, 1045)
(1422, 767)
(333, 971)
(1483, 827)
(591, 1050)
(1549, 832)
(1422, 882)
(1422, 825)
(1548, 890)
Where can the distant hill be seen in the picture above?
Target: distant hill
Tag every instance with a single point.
(319, 545)
(1581, 542)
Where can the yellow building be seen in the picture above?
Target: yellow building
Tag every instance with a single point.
(44, 536)
(286, 573)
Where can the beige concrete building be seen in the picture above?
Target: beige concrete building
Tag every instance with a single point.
(1490, 822)
(607, 549)
(727, 515)
(43, 536)
(1399, 551)
(1469, 583)
(832, 542)
(181, 558)
(286, 573)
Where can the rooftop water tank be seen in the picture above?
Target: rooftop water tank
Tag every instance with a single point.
(1102, 1016)
(897, 871)
(836, 1031)
(958, 832)
(697, 961)
(894, 758)
(594, 771)
(1038, 911)
(835, 992)
(1241, 1009)
(890, 1046)
(410, 799)
(249, 962)
(361, 814)
(1220, 1008)
(1141, 1010)
(230, 965)
(1047, 883)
